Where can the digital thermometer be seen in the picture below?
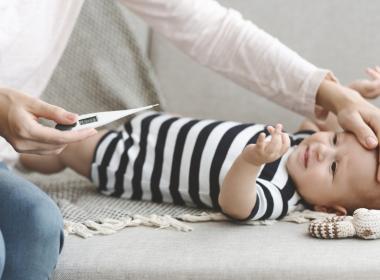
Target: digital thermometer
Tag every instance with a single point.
(94, 120)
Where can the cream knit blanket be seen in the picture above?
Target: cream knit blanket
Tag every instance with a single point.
(87, 213)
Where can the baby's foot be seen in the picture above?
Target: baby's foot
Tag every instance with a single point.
(46, 164)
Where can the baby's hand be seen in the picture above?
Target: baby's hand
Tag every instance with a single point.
(265, 151)
(368, 88)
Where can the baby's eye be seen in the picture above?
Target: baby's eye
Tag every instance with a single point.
(333, 168)
(335, 138)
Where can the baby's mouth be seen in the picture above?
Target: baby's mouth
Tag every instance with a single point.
(306, 156)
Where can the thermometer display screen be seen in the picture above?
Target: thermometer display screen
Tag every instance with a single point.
(88, 120)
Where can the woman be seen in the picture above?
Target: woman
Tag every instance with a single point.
(32, 39)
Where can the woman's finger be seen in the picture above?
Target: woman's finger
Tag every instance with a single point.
(373, 73)
(372, 93)
(374, 123)
(32, 147)
(353, 121)
(52, 112)
(44, 152)
(48, 135)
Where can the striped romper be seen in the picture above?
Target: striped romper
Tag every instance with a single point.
(166, 158)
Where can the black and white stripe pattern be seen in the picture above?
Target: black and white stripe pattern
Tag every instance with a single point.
(165, 158)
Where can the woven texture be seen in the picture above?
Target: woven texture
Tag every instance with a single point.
(79, 200)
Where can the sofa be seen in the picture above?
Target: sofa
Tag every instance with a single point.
(334, 34)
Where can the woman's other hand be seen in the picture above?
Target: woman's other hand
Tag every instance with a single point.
(368, 88)
(18, 124)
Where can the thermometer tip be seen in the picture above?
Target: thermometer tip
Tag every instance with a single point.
(154, 105)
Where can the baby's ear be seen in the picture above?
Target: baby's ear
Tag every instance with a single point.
(319, 208)
(337, 209)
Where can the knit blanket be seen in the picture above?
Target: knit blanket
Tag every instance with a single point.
(87, 212)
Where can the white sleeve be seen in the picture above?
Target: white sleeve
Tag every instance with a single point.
(222, 40)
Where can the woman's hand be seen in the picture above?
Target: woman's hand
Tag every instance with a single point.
(368, 88)
(353, 112)
(267, 151)
(19, 126)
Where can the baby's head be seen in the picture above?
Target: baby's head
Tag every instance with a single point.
(334, 173)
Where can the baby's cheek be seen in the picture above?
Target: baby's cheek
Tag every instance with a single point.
(297, 175)
(291, 165)
(290, 168)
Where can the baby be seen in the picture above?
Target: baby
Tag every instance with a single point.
(247, 171)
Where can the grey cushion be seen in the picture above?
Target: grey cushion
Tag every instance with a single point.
(104, 66)
(218, 251)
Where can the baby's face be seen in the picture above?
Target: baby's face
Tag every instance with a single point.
(333, 171)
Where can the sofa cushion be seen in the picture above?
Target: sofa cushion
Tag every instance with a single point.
(218, 250)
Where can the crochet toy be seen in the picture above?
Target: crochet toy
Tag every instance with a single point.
(364, 224)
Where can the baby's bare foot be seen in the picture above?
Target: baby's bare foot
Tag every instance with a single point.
(46, 164)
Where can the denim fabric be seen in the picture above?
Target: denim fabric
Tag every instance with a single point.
(31, 227)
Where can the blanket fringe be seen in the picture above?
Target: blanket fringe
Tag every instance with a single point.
(109, 226)
(298, 217)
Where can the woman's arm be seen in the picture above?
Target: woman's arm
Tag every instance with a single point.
(222, 40)
(237, 196)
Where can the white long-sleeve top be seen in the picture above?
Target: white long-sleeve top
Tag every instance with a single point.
(34, 33)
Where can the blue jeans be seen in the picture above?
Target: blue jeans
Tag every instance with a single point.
(31, 229)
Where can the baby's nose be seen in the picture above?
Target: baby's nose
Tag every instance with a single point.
(324, 152)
